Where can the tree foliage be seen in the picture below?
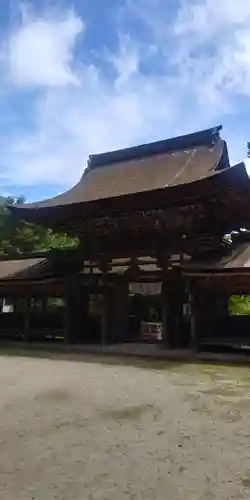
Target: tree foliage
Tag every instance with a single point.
(239, 305)
(20, 237)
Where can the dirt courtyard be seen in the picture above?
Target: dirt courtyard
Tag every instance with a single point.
(94, 430)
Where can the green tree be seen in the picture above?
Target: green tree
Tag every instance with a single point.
(20, 237)
(239, 305)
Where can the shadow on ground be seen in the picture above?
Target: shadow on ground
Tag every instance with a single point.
(145, 362)
(136, 360)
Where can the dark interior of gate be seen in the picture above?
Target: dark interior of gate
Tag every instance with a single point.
(161, 252)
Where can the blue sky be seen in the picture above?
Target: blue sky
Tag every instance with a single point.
(84, 77)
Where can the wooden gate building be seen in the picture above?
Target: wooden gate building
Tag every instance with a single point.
(146, 214)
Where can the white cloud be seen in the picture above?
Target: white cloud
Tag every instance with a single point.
(214, 38)
(71, 125)
(207, 18)
(126, 61)
(40, 51)
(200, 62)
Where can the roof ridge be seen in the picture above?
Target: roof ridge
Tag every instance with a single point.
(179, 143)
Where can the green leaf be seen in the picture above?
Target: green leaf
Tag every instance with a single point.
(20, 237)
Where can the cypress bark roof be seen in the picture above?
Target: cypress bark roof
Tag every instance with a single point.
(237, 260)
(145, 168)
(21, 268)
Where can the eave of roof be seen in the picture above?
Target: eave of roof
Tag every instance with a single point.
(176, 161)
(21, 268)
(160, 177)
(217, 183)
(237, 261)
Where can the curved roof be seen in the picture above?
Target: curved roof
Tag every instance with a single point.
(146, 168)
(20, 268)
(235, 261)
(190, 141)
(229, 274)
(183, 171)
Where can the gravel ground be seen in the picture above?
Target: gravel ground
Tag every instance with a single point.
(92, 430)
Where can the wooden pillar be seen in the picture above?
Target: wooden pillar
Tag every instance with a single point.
(76, 303)
(167, 333)
(44, 302)
(172, 299)
(15, 305)
(81, 312)
(119, 312)
(67, 314)
(105, 317)
(213, 314)
(106, 322)
(26, 313)
(176, 305)
(194, 321)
